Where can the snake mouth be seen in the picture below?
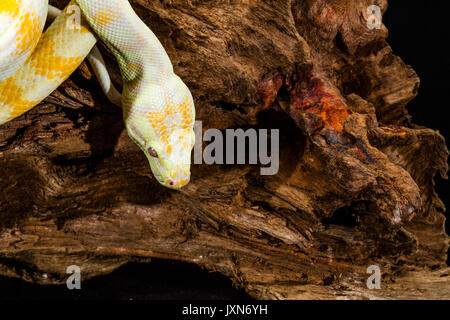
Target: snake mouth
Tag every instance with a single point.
(177, 184)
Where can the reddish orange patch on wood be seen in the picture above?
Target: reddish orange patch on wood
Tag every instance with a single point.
(310, 96)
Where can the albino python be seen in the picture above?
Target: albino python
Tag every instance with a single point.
(158, 108)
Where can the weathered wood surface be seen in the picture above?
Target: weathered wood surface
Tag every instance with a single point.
(355, 186)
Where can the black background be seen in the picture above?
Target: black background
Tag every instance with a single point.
(420, 34)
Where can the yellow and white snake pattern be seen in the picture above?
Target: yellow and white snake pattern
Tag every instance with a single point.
(158, 108)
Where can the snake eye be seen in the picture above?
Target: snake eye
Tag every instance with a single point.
(152, 152)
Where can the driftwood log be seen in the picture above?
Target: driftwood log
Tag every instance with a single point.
(355, 186)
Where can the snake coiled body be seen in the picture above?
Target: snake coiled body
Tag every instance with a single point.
(158, 107)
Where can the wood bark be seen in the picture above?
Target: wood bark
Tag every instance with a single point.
(356, 180)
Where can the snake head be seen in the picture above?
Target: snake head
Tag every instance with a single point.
(170, 156)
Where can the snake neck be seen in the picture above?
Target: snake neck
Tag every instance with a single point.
(138, 51)
(149, 64)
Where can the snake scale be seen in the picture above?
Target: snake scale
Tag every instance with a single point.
(158, 108)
